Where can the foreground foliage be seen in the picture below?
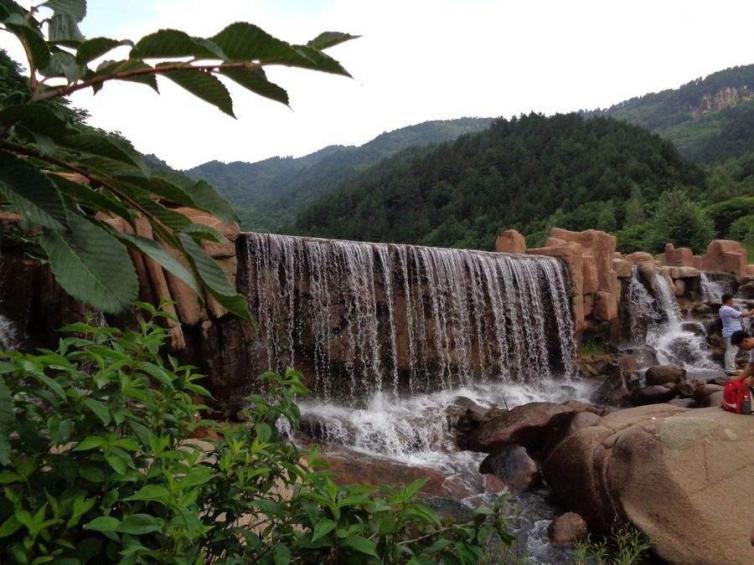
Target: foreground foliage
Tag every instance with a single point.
(64, 179)
(97, 464)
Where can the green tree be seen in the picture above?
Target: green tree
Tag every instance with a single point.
(679, 220)
(62, 178)
(634, 208)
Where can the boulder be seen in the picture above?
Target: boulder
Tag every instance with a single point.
(683, 402)
(601, 246)
(591, 276)
(653, 394)
(683, 477)
(724, 256)
(664, 374)
(648, 273)
(531, 425)
(681, 272)
(510, 241)
(513, 466)
(566, 529)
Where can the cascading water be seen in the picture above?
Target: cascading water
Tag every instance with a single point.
(374, 318)
(655, 320)
(712, 291)
(391, 335)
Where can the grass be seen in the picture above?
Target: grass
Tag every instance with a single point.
(625, 546)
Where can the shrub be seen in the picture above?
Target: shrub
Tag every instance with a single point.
(98, 463)
(681, 221)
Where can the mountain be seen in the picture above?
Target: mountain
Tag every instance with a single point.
(528, 173)
(709, 119)
(269, 193)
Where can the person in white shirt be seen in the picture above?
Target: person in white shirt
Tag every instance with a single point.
(731, 319)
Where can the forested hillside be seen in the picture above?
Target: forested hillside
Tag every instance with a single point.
(709, 119)
(527, 173)
(269, 193)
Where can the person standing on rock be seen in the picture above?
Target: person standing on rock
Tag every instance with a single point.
(731, 319)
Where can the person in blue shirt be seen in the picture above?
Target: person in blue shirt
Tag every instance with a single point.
(731, 319)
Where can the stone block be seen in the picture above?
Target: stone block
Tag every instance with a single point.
(623, 268)
(682, 272)
(591, 276)
(640, 257)
(601, 245)
(588, 305)
(724, 256)
(678, 257)
(510, 241)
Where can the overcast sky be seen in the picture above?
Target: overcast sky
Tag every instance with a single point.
(417, 60)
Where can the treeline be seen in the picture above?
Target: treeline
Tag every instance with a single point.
(529, 173)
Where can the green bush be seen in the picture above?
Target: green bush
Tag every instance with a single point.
(679, 220)
(98, 464)
(639, 237)
(725, 213)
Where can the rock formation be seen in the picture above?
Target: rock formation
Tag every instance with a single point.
(683, 477)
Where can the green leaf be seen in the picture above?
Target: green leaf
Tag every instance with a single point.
(153, 250)
(103, 146)
(309, 58)
(328, 39)
(31, 193)
(7, 477)
(88, 197)
(150, 492)
(64, 29)
(10, 527)
(36, 116)
(63, 64)
(37, 51)
(323, 528)
(174, 43)
(101, 411)
(206, 197)
(94, 48)
(256, 81)
(281, 554)
(7, 417)
(74, 8)
(214, 278)
(92, 265)
(362, 545)
(90, 442)
(118, 465)
(205, 86)
(139, 524)
(103, 524)
(242, 41)
(197, 476)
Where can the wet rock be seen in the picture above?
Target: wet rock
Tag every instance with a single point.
(531, 425)
(653, 394)
(583, 420)
(746, 290)
(456, 487)
(513, 466)
(492, 485)
(615, 390)
(449, 509)
(567, 529)
(664, 374)
(703, 390)
(695, 328)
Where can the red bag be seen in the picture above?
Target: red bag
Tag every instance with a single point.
(734, 393)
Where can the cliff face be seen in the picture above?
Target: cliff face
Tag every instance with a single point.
(725, 98)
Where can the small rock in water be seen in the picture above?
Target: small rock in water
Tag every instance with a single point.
(664, 374)
(566, 529)
(513, 466)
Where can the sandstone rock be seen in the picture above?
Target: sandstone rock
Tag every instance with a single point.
(682, 272)
(605, 306)
(566, 529)
(513, 466)
(748, 270)
(530, 425)
(678, 257)
(583, 420)
(601, 246)
(640, 257)
(664, 374)
(510, 241)
(679, 287)
(591, 276)
(648, 273)
(683, 477)
(229, 230)
(573, 255)
(725, 256)
(623, 268)
(588, 305)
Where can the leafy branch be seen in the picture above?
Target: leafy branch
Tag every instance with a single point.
(41, 140)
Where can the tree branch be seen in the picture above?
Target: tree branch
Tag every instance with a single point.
(124, 75)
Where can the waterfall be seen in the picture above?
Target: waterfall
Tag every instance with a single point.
(655, 320)
(712, 291)
(364, 319)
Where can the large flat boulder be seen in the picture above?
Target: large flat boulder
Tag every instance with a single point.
(683, 477)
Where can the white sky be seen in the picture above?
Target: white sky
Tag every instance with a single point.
(417, 60)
